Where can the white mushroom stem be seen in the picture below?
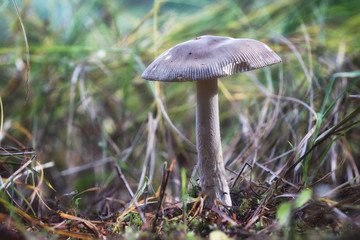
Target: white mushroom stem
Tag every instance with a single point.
(208, 141)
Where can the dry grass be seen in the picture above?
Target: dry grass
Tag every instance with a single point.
(97, 152)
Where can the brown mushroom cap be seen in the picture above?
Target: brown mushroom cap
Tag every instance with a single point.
(208, 57)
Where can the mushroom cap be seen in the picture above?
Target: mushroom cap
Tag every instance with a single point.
(208, 57)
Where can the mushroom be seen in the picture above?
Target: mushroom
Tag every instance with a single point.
(205, 59)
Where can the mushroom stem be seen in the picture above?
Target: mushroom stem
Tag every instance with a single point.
(208, 141)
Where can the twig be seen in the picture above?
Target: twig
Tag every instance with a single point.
(15, 174)
(223, 215)
(9, 151)
(239, 174)
(276, 175)
(263, 203)
(85, 166)
(164, 182)
(123, 179)
(6, 154)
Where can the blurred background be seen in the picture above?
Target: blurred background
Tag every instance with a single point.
(87, 106)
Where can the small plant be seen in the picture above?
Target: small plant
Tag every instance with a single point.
(244, 207)
(134, 220)
(201, 226)
(285, 210)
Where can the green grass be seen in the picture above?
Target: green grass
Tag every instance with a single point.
(291, 126)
